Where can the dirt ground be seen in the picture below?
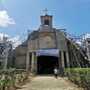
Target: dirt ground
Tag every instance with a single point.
(50, 83)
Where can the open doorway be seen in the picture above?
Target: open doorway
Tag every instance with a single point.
(46, 64)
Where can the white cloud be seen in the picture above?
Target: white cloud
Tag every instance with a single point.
(5, 19)
(87, 35)
(14, 40)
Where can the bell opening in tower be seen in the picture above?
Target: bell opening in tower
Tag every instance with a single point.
(46, 22)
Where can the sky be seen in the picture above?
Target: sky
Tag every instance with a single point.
(17, 16)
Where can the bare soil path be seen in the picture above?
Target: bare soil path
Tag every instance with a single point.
(50, 83)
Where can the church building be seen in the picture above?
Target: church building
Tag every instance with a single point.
(46, 48)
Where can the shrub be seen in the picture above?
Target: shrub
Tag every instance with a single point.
(80, 76)
(9, 78)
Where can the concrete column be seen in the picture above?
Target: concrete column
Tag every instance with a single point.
(32, 63)
(67, 58)
(62, 59)
(35, 63)
(68, 63)
(62, 64)
(27, 61)
(59, 60)
(5, 63)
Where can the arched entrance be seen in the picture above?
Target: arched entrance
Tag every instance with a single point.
(46, 64)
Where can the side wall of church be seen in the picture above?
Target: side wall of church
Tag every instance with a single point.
(20, 57)
(61, 41)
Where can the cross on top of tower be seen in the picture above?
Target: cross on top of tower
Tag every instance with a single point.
(45, 11)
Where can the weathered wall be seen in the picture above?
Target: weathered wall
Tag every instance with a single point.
(43, 40)
(47, 40)
(20, 57)
(61, 40)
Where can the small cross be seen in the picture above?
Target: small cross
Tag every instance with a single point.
(45, 11)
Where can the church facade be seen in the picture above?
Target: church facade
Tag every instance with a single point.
(47, 48)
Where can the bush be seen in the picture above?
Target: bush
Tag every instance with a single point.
(80, 76)
(10, 78)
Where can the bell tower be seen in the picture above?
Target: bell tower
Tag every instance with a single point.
(46, 20)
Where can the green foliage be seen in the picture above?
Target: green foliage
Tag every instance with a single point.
(80, 76)
(12, 78)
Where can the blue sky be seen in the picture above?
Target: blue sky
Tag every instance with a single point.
(73, 15)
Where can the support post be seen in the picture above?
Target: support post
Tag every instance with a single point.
(60, 63)
(33, 63)
(6, 62)
(68, 63)
(27, 61)
(62, 60)
(67, 58)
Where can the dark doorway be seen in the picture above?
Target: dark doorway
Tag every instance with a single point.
(46, 64)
